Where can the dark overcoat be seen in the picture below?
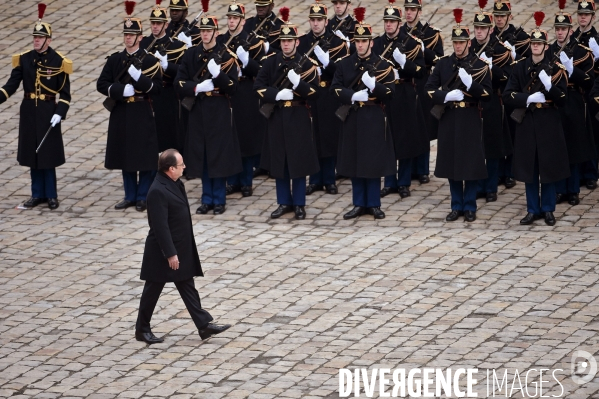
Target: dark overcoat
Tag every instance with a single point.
(271, 29)
(517, 38)
(194, 34)
(171, 233)
(53, 71)
(593, 104)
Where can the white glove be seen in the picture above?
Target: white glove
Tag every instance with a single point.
(488, 60)
(537, 97)
(512, 48)
(55, 119)
(205, 86)
(323, 57)
(294, 78)
(545, 79)
(244, 56)
(396, 74)
(368, 80)
(163, 59)
(361, 95)
(134, 72)
(567, 62)
(465, 77)
(185, 39)
(341, 35)
(454, 95)
(285, 95)
(594, 46)
(266, 46)
(128, 91)
(213, 68)
(399, 57)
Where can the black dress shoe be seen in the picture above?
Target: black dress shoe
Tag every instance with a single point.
(480, 195)
(591, 184)
(260, 172)
(376, 212)
(141, 205)
(232, 189)
(213, 329)
(204, 208)
(385, 191)
(354, 213)
(313, 188)
(509, 182)
(300, 212)
(469, 216)
(491, 197)
(52, 203)
(404, 191)
(549, 219)
(280, 211)
(453, 216)
(559, 198)
(573, 200)
(246, 191)
(148, 338)
(331, 189)
(124, 204)
(33, 202)
(219, 209)
(423, 179)
(529, 218)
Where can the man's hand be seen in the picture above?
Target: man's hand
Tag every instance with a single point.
(134, 72)
(128, 91)
(213, 68)
(173, 262)
(55, 119)
(399, 57)
(545, 79)
(185, 39)
(163, 59)
(369, 81)
(244, 56)
(323, 57)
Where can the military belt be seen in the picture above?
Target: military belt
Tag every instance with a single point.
(543, 105)
(324, 83)
(399, 81)
(287, 104)
(167, 84)
(463, 104)
(42, 97)
(135, 99)
(364, 103)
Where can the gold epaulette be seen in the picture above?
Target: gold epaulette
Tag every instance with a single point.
(267, 56)
(67, 65)
(16, 59)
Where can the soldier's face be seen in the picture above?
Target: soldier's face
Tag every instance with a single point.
(234, 23)
(263, 11)
(363, 47)
(501, 20)
(177, 15)
(585, 19)
(460, 47)
(481, 33)
(562, 33)
(130, 40)
(411, 14)
(288, 46)
(158, 28)
(317, 25)
(392, 27)
(537, 48)
(341, 8)
(39, 45)
(208, 36)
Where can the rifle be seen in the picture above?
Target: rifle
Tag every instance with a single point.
(426, 24)
(254, 33)
(189, 27)
(43, 139)
(109, 103)
(343, 110)
(188, 102)
(515, 34)
(535, 83)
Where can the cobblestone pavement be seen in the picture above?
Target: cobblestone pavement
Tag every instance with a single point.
(305, 298)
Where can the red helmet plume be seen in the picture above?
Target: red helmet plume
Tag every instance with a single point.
(284, 11)
(205, 4)
(561, 4)
(391, 1)
(482, 4)
(41, 9)
(129, 7)
(158, 2)
(539, 16)
(360, 13)
(457, 14)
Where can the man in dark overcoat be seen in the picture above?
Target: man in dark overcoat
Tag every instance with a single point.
(178, 25)
(128, 78)
(540, 153)
(329, 48)
(458, 83)
(365, 82)
(208, 75)
(271, 28)
(342, 23)
(404, 109)
(170, 253)
(45, 76)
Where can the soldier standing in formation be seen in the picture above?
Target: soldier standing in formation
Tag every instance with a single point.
(271, 27)
(456, 86)
(207, 77)
(45, 76)
(179, 25)
(345, 30)
(128, 79)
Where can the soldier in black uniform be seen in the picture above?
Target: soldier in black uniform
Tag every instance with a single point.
(365, 82)
(540, 148)
(271, 28)
(329, 49)
(404, 109)
(496, 131)
(45, 75)
(178, 10)
(576, 120)
(208, 77)
(250, 125)
(290, 151)
(128, 78)
(433, 50)
(458, 83)
(165, 104)
(586, 17)
(342, 24)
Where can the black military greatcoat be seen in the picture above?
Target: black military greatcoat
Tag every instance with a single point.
(171, 233)
(540, 135)
(271, 29)
(366, 143)
(211, 127)
(516, 37)
(593, 105)
(290, 138)
(460, 154)
(43, 74)
(347, 28)
(132, 142)
(194, 33)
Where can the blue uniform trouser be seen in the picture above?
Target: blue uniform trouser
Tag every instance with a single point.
(214, 190)
(589, 170)
(291, 191)
(403, 176)
(570, 185)
(420, 164)
(244, 178)
(43, 183)
(326, 174)
(366, 192)
(134, 190)
(505, 167)
(489, 185)
(547, 200)
(463, 194)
